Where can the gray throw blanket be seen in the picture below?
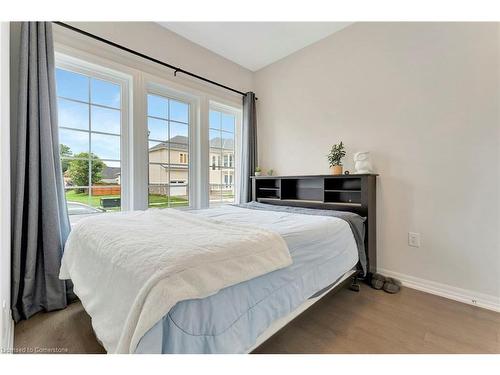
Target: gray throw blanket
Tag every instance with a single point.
(355, 221)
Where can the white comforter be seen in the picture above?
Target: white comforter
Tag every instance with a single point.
(130, 269)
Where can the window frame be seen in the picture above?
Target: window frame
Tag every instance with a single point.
(238, 114)
(90, 69)
(153, 87)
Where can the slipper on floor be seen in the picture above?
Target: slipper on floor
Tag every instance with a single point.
(391, 285)
(377, 281)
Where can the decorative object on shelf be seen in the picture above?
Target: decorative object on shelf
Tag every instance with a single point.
(270, 172)
(335, 158)
(258, 171)
(347, 173)
(362, 163)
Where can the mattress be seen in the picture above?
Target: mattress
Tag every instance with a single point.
(230, 321)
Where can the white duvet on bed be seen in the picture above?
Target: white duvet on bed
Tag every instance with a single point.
(130, 269)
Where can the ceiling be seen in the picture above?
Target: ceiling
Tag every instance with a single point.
(254, 45)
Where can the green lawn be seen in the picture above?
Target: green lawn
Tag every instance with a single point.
(161, 201)
(94, 201)
(155, 200)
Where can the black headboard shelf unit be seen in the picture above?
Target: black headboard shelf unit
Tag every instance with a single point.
(354, 192)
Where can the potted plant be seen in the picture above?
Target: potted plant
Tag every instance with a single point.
(258, 171)
(335, 158)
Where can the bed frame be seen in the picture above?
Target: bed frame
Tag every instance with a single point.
(355, 193)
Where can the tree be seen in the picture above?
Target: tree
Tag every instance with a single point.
(78, 170)
(65, 151)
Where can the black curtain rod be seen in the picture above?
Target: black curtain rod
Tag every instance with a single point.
(175, 68)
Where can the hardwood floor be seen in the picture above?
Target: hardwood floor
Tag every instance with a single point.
(367, 322)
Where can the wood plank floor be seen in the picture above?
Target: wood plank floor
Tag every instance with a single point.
(367, 322)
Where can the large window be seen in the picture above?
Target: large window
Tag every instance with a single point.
(120, 154)
(222, 156)
(90, 114)
(168, 152)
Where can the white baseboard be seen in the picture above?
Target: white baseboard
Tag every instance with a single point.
(7, 344)
(10, 335)
(470, 297)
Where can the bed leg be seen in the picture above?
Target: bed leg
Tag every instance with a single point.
(354, 283)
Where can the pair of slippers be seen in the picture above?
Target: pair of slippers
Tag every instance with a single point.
(388, 284)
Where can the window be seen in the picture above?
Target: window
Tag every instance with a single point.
(222, 148)
(90, 115)
(168, 150)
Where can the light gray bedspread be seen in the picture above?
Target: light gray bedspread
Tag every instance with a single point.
(355, 221)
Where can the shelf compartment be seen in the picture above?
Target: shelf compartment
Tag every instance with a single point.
(268, 188)
(341, 191)
(352, 183)
(310, 189)
(343, 197)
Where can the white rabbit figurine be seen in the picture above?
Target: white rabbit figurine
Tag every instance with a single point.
(362, 163)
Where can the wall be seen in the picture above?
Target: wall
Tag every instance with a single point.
(6, 323)
(171, 48)
(423, 98)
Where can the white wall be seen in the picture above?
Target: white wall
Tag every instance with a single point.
(6, 324)
(423, 98)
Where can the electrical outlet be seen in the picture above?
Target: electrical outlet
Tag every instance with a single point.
(413, 239)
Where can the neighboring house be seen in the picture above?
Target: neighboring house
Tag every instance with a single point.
(111, 175)
(161, 157)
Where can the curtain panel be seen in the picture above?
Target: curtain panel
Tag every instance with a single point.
(40, 222)
(249, 147)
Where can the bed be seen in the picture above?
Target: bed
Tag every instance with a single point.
(323, 249)
(324, 252)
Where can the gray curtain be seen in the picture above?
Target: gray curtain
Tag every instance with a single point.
(40, 218)
(249, 147)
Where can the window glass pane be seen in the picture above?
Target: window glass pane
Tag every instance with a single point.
(105, 93)
(215, 138)
(158, 196)
(158, 174)
(158, 152)
(72, 85)
(106, 185)
(215, 158)
(227, 141)
(73, 114)
(222, 157)
(215, 193)
(106, 198)
(106, 146)
(228, 122)
(179, 111)
(105, 120)
(227, 193)
(78, 201)
(74, 141)
(169, 160)
(92, 185)
(214, 119)
(157, 106)
(179, 133)
(179, 187)
(158, 129)
(77, 173)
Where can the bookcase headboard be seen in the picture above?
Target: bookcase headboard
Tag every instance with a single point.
(355, 193)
